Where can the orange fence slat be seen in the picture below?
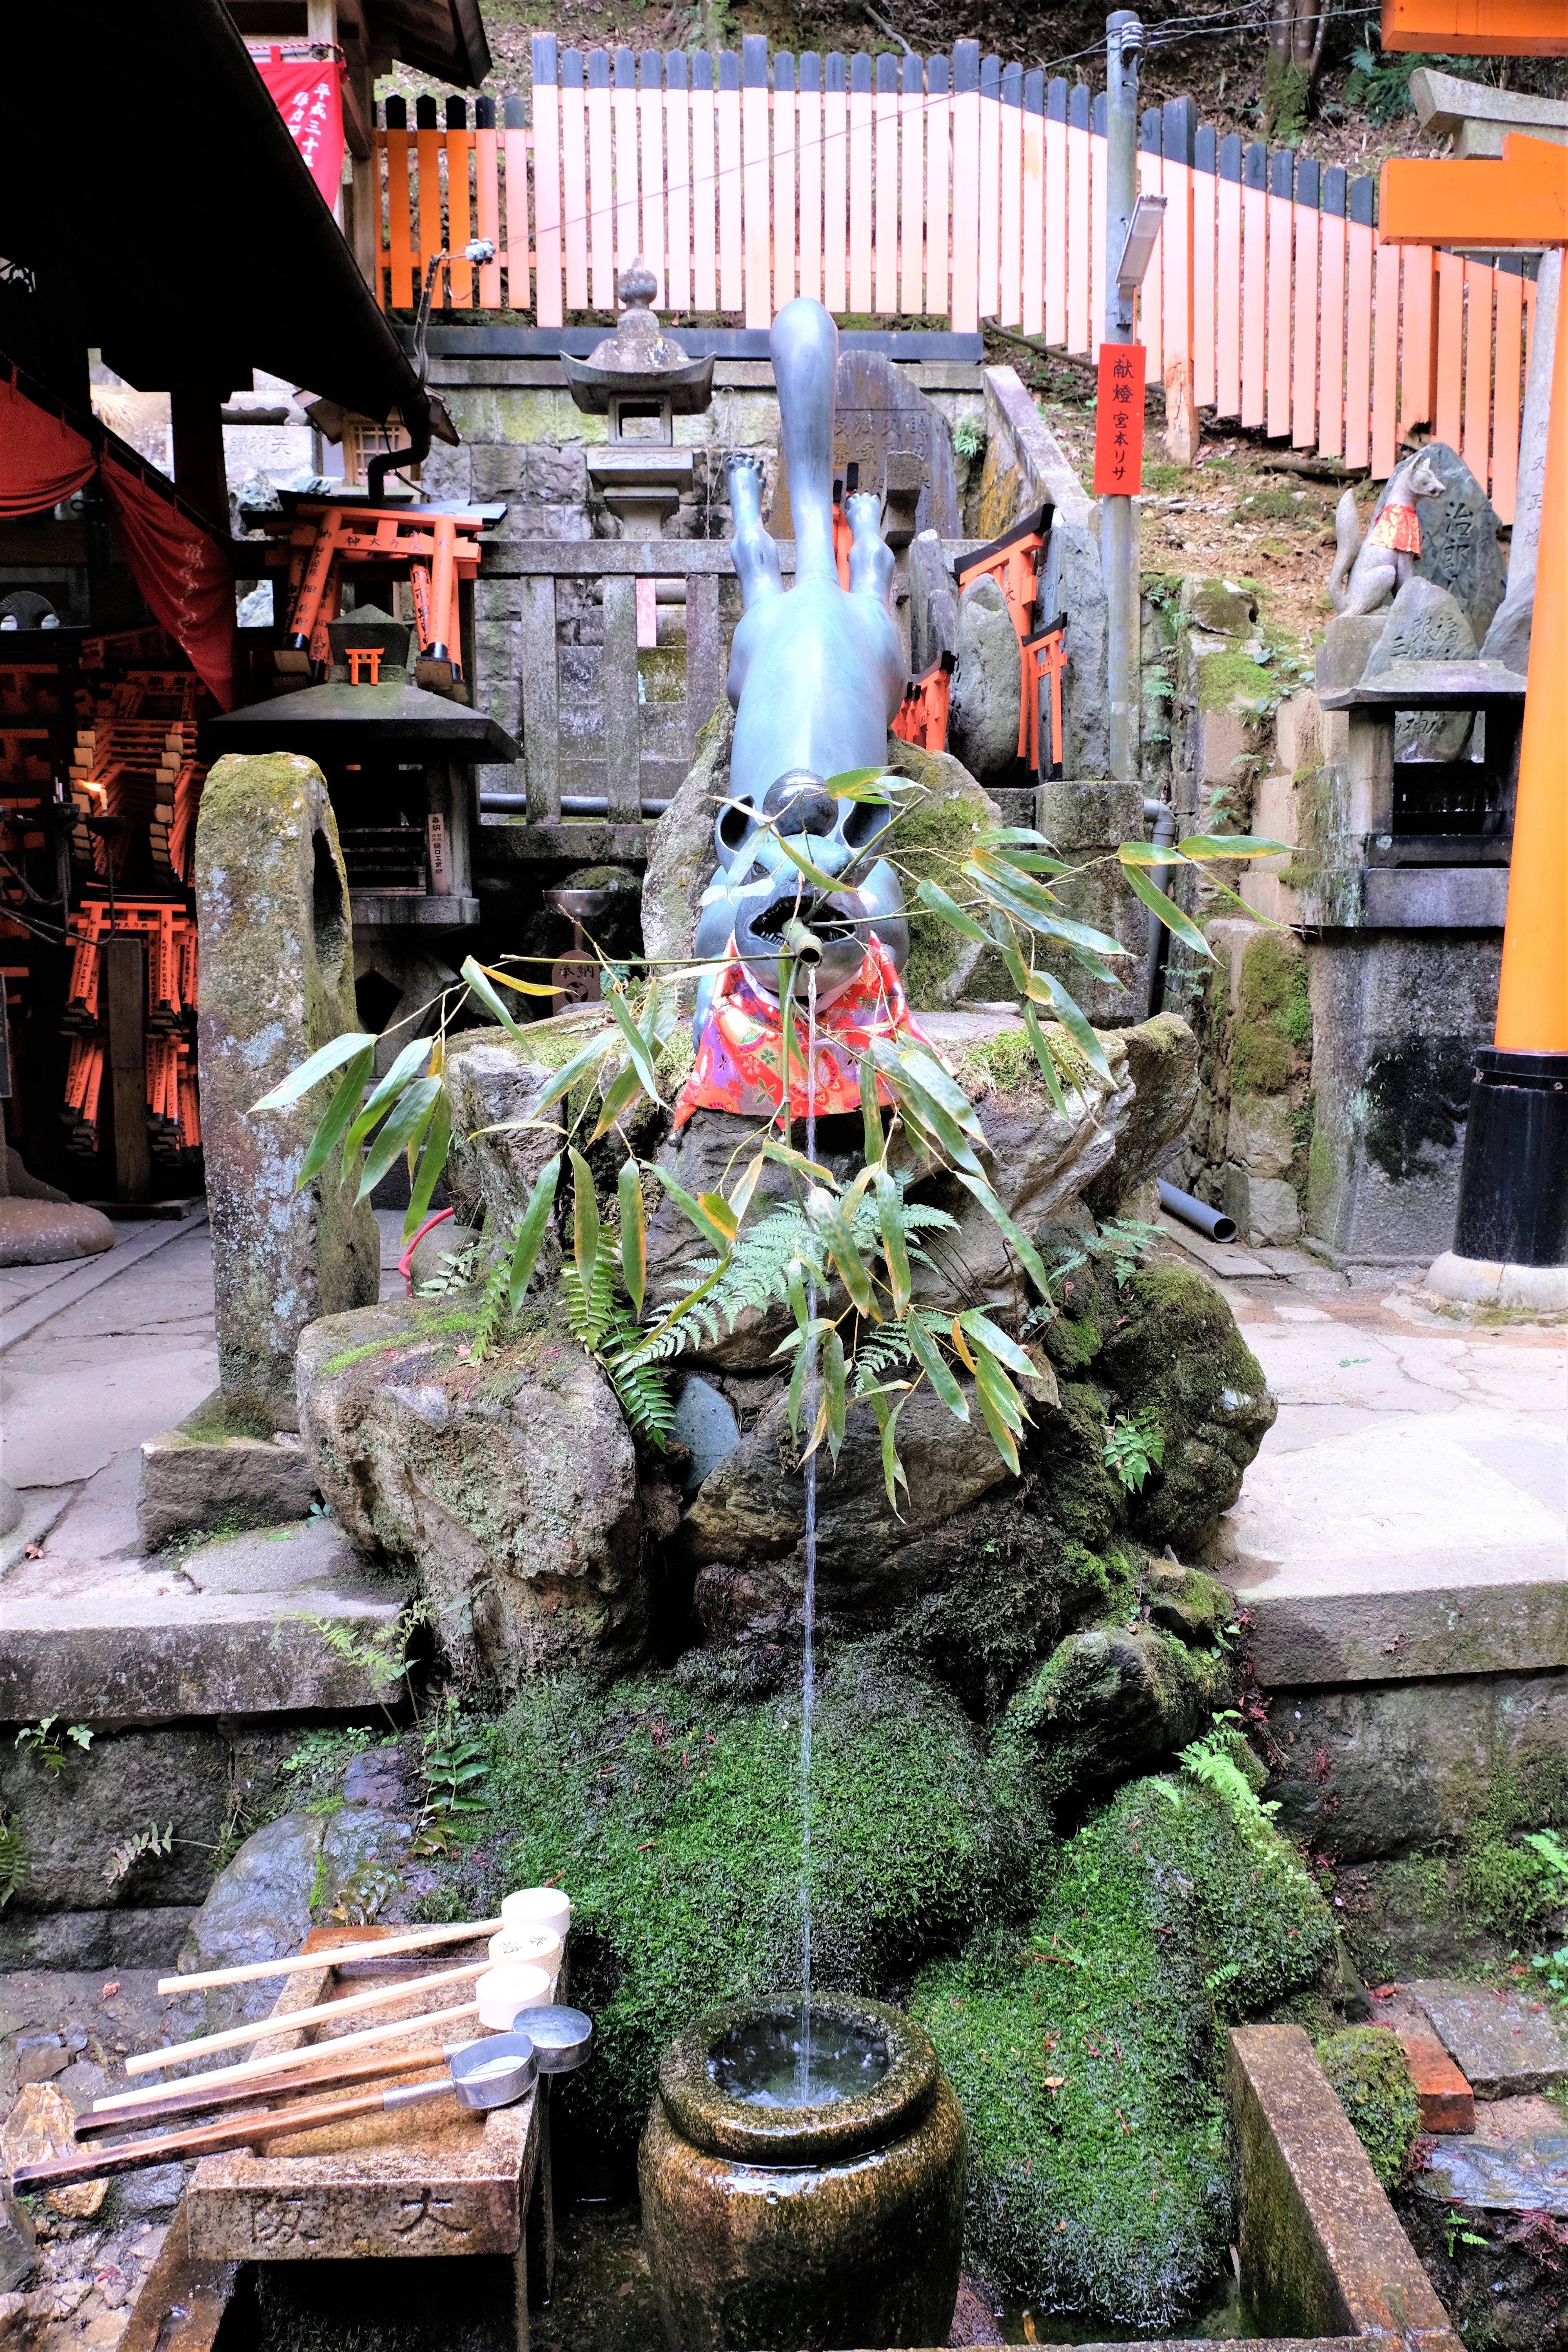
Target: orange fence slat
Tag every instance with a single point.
(1056, 231)
(487, 176)
(1509, 291)
(835, 187)
(1475, 446)
(1304, 375)
(1417, 350)
(1331, 312)
(460, 217)
(399, 227)
(884, 121)
(704, 189)
(965, 310)
(1276, 369)
(1385, 358)
(860, 183)
(757, 224)
(731, 257)
(1205, 183)
(1034, 206)
(911, 190)
(1080, 222)
(601, 182)
(653, 175)
(809, 134)
(1450, 348)
(624, 112)
(783, 181)
(939, 187)
(1253, 302)
(1010, 193)
(574, 181)
(427, 146)
(989, 248)
(1358, 342)
(677, 215)
(1227, 288)
(1151, 296)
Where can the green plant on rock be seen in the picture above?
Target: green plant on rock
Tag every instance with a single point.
(123, 1857)
(457, 1760)
(43, 1742)
(1372, 2081)
(15, 1863)
(998, 889)
(1133, 1446)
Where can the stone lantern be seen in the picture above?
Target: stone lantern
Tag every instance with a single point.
(641, 380)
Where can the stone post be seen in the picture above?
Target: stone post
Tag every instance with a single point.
(276, 984)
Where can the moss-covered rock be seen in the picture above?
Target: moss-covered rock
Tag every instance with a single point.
(1372, 2081)
(1107, 1703)
(940, 825)
(1085, 2051)
(1180, 1358)
(671, 1810)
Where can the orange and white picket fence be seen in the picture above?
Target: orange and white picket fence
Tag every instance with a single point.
(960, 190)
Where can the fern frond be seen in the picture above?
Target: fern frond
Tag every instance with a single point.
(495, 1312)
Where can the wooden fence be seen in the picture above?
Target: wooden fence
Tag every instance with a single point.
(963, 190)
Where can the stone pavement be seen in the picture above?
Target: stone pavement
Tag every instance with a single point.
(93, 1625)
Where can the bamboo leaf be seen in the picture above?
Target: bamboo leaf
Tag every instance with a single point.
(834, 1227)
(699, 1212)
(854, 785)
(523, 987)
(788, 1156)
(627, 1087)
(566, 1077)
(1205, 845)
(1077, 1027)
(932, 895)
(438, 1141)
(634, 1233)
(585, 1225)
(993, 836)
(833, 1375)
(1045, 1057)
(928, 1114)
(888, 1421)
(746, 1184)
(1180, 926)
(992, 1383)
(870, 1113)
(1019, 1240)
(530, 1231)
(929, 1358)
(322, 1065)
(895, 1246)
(1036, 907)
(796, 1403)
(1001, 1435)
(405, 1126)
(636, 1045)
(347, 1097)
(474, 974)
(961, 1345)
(402, 1070)
(1007, 1351)
(803, 865)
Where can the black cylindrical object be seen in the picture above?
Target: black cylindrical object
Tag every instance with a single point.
(1513, 1184)
(1197, 1213)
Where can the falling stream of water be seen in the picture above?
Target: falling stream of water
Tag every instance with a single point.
(808, 1671)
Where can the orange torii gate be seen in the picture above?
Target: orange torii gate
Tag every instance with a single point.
(1513, 1188)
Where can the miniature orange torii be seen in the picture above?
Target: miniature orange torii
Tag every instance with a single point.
(1522, 201)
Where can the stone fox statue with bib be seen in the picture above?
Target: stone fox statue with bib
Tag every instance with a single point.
(816, 675)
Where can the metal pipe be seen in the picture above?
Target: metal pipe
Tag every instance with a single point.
(802, 942)
(1118, 541)
(1163, 818)
(1196, 1214)
(572, 805)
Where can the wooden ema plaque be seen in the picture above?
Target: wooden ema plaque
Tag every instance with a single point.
(435, 2179)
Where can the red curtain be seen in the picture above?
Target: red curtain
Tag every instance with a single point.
(182, 570)
(42, 458)
(309, 97)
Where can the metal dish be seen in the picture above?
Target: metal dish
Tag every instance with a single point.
(563, 2038)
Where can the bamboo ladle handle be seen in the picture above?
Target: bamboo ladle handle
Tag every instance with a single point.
(388, 1947)
(341, 2046)
(179, 2053)
(211, 2139)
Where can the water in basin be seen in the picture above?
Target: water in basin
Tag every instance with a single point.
(760, 2063)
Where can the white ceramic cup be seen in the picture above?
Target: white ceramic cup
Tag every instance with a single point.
(537, 1946)
(502, 1992)
(537, 1906)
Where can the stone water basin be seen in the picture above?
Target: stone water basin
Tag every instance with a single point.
(834, 2220)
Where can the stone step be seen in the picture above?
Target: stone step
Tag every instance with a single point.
(1445, 2100)
(1507, 2044)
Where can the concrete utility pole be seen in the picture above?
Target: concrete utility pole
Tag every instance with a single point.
(1118, 540)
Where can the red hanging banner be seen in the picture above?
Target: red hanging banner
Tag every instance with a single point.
(42, 458)
(1118, 421)
(309, 95)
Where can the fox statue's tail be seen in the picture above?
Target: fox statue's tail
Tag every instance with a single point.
(1347, 546)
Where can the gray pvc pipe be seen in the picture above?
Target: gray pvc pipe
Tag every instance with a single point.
(1196, 1214)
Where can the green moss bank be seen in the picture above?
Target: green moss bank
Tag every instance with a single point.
(1368, 2070)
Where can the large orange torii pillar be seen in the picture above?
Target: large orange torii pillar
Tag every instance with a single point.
(1514, 1188)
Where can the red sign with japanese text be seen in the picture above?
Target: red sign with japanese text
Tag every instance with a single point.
(309, 95)
(1118, 421)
